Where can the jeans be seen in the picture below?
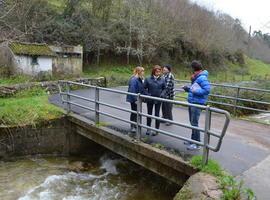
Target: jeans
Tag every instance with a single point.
(194, 116)
(150, 106)
(133, 116)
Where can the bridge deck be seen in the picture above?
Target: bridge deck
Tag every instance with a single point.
(245, 145)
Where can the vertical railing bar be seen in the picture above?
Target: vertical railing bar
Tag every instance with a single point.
(206, 135)
(139, 118)
(236, 100)
(96, 106)
(68, 98)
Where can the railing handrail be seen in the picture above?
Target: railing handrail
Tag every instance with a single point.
(96, 100)
(237, 99)
(229, 86)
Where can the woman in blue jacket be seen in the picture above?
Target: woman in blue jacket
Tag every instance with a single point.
(155, 86)
(135, 85)
(197, 94)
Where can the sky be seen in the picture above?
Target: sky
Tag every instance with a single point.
(255, 13)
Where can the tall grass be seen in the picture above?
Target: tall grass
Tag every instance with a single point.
(27, 108)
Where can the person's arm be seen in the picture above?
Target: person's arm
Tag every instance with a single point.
(164, 89)
(146, 85)
(133, 89)
(204, 88)
(169, 85)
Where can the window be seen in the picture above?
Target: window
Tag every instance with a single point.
(34, 60)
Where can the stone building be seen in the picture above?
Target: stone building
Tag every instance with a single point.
(35, 59)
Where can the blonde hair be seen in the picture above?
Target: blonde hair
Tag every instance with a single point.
(138, 70)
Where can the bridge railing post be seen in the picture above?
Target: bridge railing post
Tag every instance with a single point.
(96, 105)
(236, 100)
(68, 98)
(139, 117)
(206, 135)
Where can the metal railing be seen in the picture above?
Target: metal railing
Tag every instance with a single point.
(65, 91)
(236, 100)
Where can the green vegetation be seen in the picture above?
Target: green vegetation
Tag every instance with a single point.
(244, 94)
(127, 30)
(158, 146)
(252, 70)
(27, 108)
(119, 75)
(14, 79)
(232, 189)
(30, 49)
(115, 75)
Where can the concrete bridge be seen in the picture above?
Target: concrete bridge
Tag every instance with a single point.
(244, 152)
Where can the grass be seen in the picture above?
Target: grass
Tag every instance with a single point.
(115, 75)
(252, 70)
(14, 80)
(232, 189)
(27, 108)
(120, 74)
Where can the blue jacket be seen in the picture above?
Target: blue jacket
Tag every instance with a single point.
(135, 85)
(200, 95)
(155, 87)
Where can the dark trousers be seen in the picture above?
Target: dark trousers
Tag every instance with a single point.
(133, 116)
(194, 116)
(167, 110)
(150, 106)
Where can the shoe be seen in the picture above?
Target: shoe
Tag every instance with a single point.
(168, 124)
(187, 143)
(133, 130)
(155, 133)
(193, 147)
(148, 132)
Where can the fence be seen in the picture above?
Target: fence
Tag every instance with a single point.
(236, 100)
(67, 95)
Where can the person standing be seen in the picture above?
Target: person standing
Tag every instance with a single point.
(197, 94)
(154, 86)
(169, 83)
(135, 85)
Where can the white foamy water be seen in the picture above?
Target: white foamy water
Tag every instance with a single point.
(52, 179)
(84, 185)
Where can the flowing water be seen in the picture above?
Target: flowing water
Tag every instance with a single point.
(102, 178)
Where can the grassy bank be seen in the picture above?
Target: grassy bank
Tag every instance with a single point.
(252, 70)
(232, 189)
(27, 107)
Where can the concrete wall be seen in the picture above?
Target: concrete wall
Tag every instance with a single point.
(69, 60)
(25, 65)
(7, 62)
(51, 138)
(161, 162)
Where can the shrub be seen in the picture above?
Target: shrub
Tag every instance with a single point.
(244, 94)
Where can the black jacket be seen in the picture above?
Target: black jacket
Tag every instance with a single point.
(155, 87)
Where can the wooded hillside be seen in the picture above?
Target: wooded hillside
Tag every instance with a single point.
(141, 31)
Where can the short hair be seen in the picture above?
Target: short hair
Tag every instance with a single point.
(155, 68)
(196, 65)
(168, 66)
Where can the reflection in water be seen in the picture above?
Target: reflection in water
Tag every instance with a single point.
(105, 178)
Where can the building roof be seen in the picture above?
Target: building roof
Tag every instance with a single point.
(32, 49)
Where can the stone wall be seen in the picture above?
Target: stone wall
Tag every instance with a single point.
(200, 186)
(55, 137)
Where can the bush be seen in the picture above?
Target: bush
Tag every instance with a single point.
(244, 94)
